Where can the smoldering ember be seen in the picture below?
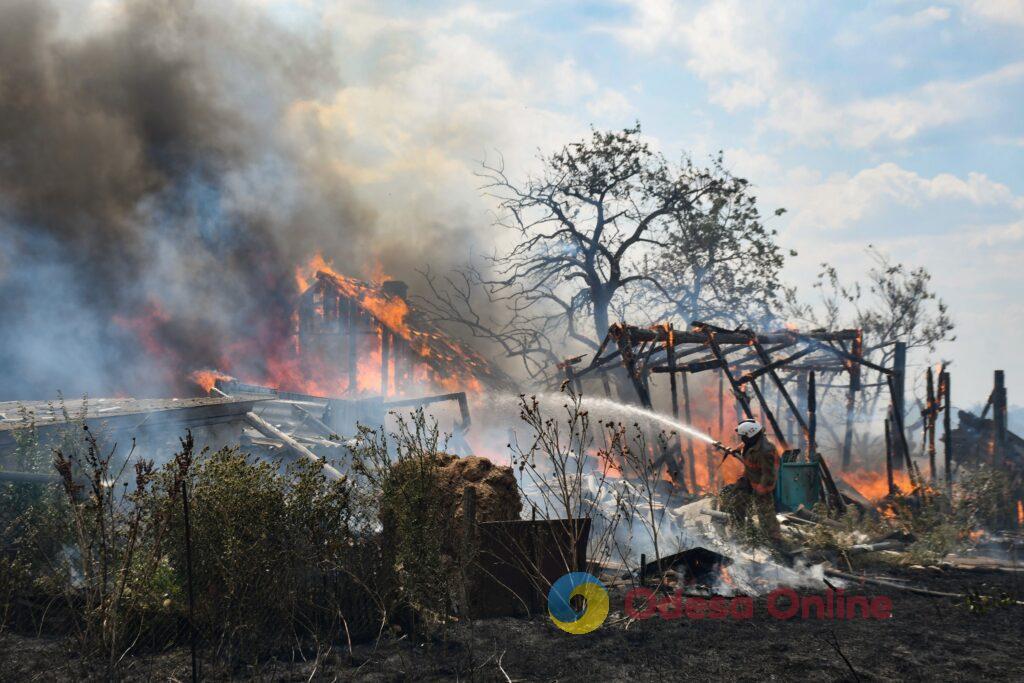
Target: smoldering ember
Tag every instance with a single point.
(382, 341)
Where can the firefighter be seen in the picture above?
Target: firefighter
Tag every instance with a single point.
(757, 485)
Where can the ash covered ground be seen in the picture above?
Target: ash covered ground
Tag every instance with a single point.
(927, 638)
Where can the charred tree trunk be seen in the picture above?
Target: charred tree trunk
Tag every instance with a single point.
(896, 388)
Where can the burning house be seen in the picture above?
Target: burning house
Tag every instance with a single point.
(356, 338)
(361, 350)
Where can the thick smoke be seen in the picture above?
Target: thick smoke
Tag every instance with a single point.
(158, 187)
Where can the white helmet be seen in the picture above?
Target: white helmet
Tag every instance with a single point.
(748, 429)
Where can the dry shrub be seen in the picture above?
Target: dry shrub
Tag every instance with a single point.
(400, 483)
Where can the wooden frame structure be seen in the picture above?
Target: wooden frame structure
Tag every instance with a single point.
(341, 321)
(745, 360)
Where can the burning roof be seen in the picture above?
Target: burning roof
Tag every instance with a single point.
(367, 338)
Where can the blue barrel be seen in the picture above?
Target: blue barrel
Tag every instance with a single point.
(799, 484)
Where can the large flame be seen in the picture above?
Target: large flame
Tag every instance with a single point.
(423, 359)
(875, 485)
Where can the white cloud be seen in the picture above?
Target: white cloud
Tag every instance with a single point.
(995, 235)
(1009, 12)
(840, 200)
(569, 82)
(610, 105)
(925, 17)
(725, 44)
(734, 47)
(801, 112)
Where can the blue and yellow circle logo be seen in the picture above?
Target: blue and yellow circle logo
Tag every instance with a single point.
(593, 593)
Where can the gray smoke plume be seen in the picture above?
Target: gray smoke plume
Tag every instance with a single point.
(152, 208)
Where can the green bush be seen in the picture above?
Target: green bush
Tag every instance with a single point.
(262, 542)
(33, 529)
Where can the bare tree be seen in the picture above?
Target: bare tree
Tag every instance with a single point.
(720, 263)
(460, 298)
(896, 303)
(608, 230)
(587, 227)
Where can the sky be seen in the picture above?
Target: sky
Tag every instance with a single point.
(896, 124)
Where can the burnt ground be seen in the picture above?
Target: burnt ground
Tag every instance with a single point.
(927, 638)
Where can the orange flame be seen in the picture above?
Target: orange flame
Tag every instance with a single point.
(875, 485)
(726, 576)
(208, 378)
(434, 361)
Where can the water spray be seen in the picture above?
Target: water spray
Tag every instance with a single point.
(610, 405)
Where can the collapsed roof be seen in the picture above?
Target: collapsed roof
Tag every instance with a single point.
(408, 342)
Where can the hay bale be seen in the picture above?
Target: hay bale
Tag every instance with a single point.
(497, 496)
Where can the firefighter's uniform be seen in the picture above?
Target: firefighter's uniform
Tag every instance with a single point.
(756, 487)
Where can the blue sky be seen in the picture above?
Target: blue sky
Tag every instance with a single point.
(892, 123)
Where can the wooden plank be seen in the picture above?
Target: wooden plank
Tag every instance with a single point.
(770, 416)
(271, 432)
(737, 390)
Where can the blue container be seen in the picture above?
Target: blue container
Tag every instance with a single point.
(799, 483)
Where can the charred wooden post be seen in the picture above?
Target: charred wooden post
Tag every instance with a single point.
(897, 391)
(929, 423)
(888, 453)
(709, 456)
(854, 369)
(721, 406)
(801, 397)
(812, 415)
(947, 431)
(769, 416)
(687, 456)
(624, 342)
(670, 355)
(901, 435)
(831, 490)
(737, 389)
(999, 417)
(851, 398)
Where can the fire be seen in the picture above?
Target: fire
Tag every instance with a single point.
(1020, 513)
(206, 379)
(726, 576)
(390, 338)
(436, 361)
(875, 485)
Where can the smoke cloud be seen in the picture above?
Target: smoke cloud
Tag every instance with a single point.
(159, 183)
